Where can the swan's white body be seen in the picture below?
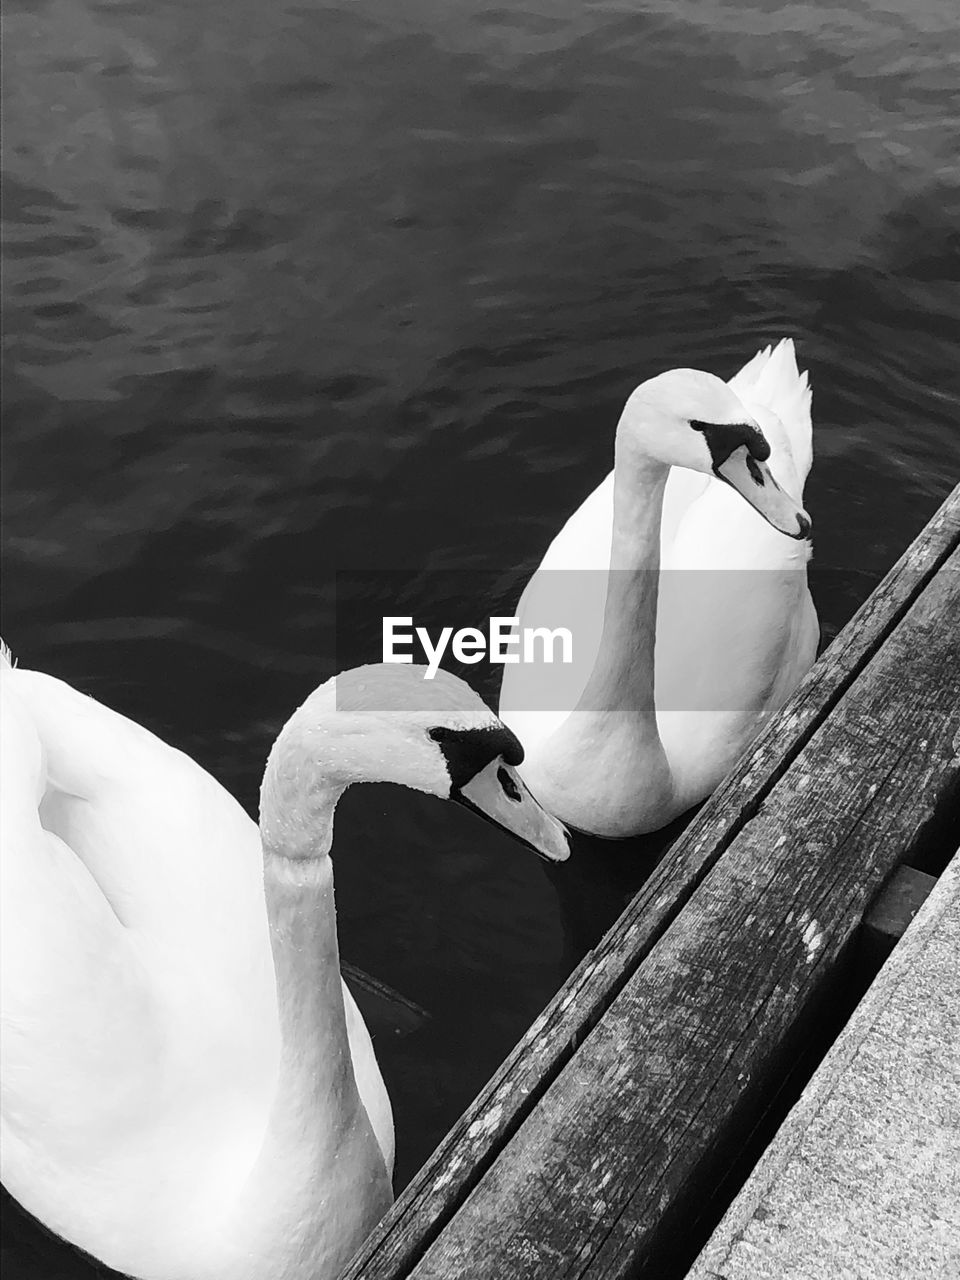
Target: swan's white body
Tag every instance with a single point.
(735, 626)
(189, 1091)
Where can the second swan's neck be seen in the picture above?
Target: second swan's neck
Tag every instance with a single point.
(623, 673)
(609, 747)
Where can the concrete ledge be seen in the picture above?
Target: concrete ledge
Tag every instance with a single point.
(862, 1180)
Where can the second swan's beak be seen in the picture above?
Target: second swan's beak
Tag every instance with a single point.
(498, 794)
(754, 481)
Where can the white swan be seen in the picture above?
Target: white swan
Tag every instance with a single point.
(189, 1092)
(673, 671)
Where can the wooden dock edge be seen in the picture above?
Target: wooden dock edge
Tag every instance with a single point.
(613, 1173)
(462, 1159)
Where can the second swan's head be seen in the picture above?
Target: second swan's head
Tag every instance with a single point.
(689, 418)
(386, 723)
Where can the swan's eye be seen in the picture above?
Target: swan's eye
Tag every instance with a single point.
(508, 784)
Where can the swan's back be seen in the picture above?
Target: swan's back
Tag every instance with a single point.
(139, 1011)
(173, 856)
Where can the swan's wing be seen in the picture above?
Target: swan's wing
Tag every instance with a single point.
(60, 939)
(133, 924)
(174, 855)
(773, 384)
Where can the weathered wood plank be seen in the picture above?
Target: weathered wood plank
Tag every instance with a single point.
(487, 1125)
(653, 1105)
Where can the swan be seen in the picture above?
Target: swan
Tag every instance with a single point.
(683, 581)
(189, 1091)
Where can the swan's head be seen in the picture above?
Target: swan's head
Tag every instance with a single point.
(386, 723)
(688, 418)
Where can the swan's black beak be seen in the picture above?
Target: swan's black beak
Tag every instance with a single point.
(498, 794)
(754, 481)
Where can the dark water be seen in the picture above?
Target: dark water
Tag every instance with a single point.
(299, 287)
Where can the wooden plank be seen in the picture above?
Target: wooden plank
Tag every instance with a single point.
(458, 1163)
(652, 1108)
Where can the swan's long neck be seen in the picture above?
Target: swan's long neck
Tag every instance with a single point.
(297, 804)
(317, 1085)
(619, 696)
(623, 670)
(319, 1143)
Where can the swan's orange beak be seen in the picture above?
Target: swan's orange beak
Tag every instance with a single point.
(754, 481)
(499, 794)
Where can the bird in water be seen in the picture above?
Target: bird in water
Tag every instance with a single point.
(683, 581)
(189, 1091)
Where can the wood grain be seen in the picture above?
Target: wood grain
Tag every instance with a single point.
(456, 1167)
(652, 1107)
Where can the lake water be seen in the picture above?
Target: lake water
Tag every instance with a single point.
(294, 287)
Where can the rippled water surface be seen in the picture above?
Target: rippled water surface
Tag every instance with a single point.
(294, 287)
